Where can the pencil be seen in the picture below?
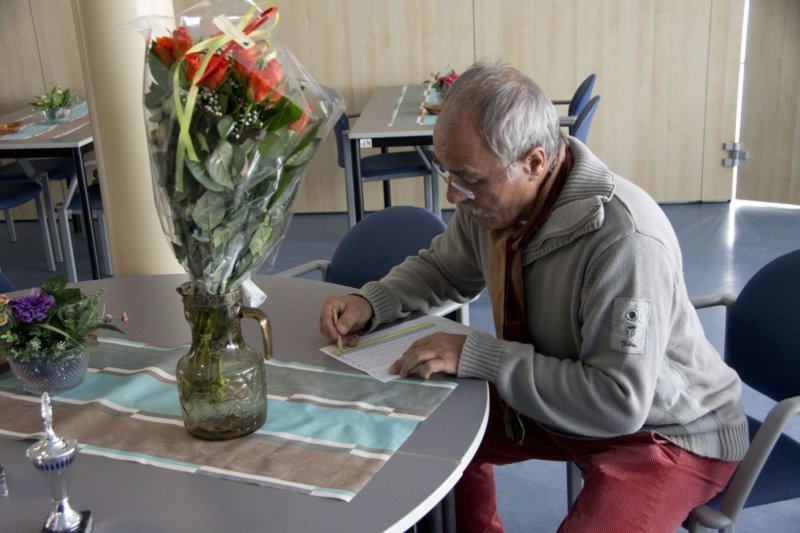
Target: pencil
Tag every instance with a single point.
(335, 323)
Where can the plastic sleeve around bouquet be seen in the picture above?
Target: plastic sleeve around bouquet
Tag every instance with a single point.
(233, 119)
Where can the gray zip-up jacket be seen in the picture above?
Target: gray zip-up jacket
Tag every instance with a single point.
(617, 346)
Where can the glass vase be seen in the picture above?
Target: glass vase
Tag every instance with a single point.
(51, 373)
(222, 381)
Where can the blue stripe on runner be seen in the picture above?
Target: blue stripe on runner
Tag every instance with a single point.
(363, 430)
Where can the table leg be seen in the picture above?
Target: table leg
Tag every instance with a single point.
(44, 181)
(358, 184)
(86, 206)
(348, 184)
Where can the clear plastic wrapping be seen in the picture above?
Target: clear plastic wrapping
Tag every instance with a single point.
(233, 120)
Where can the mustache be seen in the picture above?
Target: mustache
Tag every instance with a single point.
(476, 212)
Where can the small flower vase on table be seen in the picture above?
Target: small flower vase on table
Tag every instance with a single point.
(232, 121)
(45, 335)
(48, 372)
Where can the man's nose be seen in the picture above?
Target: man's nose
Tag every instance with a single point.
(454, 196)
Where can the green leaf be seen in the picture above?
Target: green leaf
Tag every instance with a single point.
(209, 211)
(261, 238)
(199, 173)
(219, 164)
(273, 144)
(225, 127)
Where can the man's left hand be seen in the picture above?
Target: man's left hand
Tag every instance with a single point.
(439, 352)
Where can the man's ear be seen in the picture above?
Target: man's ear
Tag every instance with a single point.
(535, 163)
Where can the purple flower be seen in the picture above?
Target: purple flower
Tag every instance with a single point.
(32, 308)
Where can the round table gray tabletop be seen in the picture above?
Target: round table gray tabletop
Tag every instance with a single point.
(128, 497)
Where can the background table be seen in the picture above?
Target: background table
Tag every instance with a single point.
(74, 144)
(128, 497)
(393, 117)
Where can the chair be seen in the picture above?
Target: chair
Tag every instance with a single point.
(377, 243)
(581, 96)
(72, 205)
(384, 167)
(580, 128)
(63, 168)
(5, 284)
(762, 343)
(17, 189)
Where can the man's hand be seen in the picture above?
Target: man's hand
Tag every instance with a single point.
(354, 313)
(439, 352)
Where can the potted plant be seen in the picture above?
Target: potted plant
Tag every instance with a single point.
(44, 335)
(55, 103)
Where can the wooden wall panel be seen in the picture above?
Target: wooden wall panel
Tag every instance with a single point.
(725, 44)
(650, 58)
(57, 41)
(20, 68)
(771, 106)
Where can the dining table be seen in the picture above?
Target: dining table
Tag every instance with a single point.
(394, 116)
(132, 491)
(34, 136)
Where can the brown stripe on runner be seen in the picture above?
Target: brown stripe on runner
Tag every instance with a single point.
(63, 129)
(248, 455)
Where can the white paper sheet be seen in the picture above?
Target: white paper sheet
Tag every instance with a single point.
(377, 351)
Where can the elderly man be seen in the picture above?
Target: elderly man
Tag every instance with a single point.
(600, 357)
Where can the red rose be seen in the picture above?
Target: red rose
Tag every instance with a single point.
(214, 74)
(244, 59)
(165, 48)
(300, 123)
(182, 39)
(264, 81)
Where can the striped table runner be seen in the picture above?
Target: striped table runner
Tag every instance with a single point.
(36, 128)
(327, 432)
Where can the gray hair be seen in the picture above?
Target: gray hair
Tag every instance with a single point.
(512, 112)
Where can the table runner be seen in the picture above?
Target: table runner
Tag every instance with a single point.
(44, 129)
(327, 432)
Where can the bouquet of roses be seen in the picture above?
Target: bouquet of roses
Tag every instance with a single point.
(233, 120)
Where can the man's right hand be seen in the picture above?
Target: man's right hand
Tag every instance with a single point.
(354, 314)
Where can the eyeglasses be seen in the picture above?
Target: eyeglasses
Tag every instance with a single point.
(445, 175)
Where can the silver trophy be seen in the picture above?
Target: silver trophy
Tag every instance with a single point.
(51, 456)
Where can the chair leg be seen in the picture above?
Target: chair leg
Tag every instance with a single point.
(104, 247)
(387, 193)
(574, 483)
(437, 205)
(429, 194)
(462, 314)
(51, 218)
(12, 231)
(66, 241)
(48, 245)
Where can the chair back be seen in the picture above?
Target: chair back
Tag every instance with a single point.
(580, 129)
(5, 284)
(762, 341)
(581, 96)
(381, 241)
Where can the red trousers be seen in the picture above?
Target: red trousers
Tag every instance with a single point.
(636, 483)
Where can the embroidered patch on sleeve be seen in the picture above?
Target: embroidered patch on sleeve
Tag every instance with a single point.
(629, 325)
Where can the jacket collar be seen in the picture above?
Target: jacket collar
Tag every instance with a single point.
(579, 208)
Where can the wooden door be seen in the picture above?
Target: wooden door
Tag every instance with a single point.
(770, 130)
